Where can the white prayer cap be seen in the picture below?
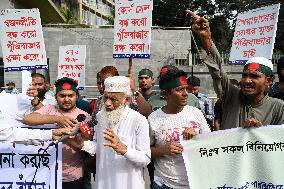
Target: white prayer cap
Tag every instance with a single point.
(118, 84)
(262, 61)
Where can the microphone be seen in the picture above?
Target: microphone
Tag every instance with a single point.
(79, 118)
(84, 128)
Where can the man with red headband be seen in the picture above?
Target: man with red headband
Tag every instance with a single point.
(249, 105)
(64, 115)
(168, 125)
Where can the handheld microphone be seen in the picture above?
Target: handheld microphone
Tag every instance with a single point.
(84, 128)
(80, 118)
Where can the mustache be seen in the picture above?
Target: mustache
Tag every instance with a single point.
(66, 103)
(250, 85)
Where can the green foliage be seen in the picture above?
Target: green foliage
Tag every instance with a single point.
(67, 13)
(221, 33)
(171, 13)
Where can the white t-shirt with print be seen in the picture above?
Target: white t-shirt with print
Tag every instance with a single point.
(167, 129)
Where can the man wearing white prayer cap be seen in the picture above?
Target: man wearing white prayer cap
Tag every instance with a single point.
(249, 105)
(121, 139)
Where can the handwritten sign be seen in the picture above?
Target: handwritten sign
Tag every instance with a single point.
(30, 166)
(72, 63)
(22, 40)
(254, 34)
(132, 29)
(236, 158)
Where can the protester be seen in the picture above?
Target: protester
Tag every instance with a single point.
(13, 107)
(167, 125)
(39, 92)
(137, 103)
(64, 115)
(11, 87)
(121, 141)
(205, 103)
(146, 83)
(249, 106)
(105, 72)
(277, 90)
(158, 101)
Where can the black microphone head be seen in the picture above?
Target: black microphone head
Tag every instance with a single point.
(93, 122)
(81, 117)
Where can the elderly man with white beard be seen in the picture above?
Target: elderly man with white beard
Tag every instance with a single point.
(121, 140)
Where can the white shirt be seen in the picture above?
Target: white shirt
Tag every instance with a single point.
(13, 107)
(115, 171)
(28, 136)
(167, 129)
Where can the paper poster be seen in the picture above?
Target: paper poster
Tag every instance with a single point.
(254, 34)
(22, 40)
(132, 29)
(72, 63)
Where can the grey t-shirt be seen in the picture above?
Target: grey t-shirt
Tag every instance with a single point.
(269, 110)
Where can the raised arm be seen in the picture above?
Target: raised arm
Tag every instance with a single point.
(210, 55)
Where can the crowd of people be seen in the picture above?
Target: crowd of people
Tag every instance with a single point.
(136, 128)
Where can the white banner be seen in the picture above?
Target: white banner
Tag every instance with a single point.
(132, 28)
(72, 63)
(254, 34)
(22, 40)
(23, 166)
(236, 159)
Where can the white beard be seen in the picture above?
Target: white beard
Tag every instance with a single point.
(114, 115)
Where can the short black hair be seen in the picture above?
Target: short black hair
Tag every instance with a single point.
(63, 80)
(193, 81)
(37, 75)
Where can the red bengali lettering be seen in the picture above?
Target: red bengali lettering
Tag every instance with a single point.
(12, 35)
(13, 57)
(249, 53)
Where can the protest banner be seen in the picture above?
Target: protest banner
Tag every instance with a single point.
(132, 29)
(22, 40)
(72, 63)
(29, 166)
(236, 159)
(254, 34)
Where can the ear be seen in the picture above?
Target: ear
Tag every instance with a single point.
(127, 101)
(269, 80)
(165, 93)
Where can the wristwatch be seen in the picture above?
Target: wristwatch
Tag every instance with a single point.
(37, 103)
(136, 94)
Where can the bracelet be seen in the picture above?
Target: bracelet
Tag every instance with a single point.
(38, 101)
